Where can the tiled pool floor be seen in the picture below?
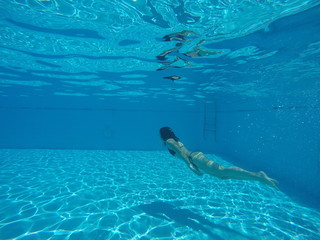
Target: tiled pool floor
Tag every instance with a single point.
(74, 194)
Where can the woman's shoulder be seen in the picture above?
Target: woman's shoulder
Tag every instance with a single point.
(175, 143)
(171, 142)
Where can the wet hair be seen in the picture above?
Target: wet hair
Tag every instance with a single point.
(166, 133)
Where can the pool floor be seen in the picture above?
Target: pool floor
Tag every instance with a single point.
(75, 194)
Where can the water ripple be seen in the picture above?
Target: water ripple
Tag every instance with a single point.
(124, 195)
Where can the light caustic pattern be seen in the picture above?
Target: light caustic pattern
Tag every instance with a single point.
(63, 194)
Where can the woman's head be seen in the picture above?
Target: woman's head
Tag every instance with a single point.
(166, 133)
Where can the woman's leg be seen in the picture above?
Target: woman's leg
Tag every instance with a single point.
(214, 169)
(238, 173)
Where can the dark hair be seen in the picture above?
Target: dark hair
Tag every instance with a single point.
(166, 133)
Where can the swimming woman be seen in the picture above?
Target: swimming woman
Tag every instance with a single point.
(197, 161)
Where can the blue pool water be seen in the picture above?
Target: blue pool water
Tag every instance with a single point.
(77, 194)
(85, 86)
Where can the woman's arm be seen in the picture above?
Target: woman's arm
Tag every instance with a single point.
(195, 169)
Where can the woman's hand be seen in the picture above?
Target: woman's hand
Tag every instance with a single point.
(195, 169)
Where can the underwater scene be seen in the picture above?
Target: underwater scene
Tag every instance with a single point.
(86, 85)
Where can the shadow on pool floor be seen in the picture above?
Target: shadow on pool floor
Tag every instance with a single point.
(169, 212)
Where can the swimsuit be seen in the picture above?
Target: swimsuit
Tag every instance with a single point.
(191, 156)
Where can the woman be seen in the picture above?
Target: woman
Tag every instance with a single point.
(197, 161)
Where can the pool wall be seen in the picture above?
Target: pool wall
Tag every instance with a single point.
(282, 140)
(111, 127)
